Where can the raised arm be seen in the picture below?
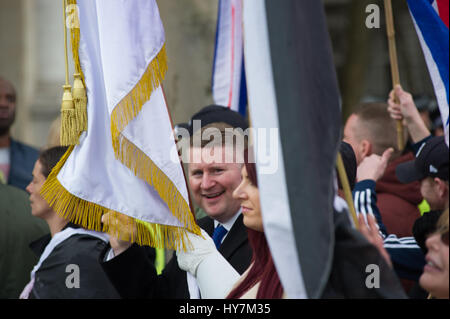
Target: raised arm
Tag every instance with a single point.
(407, 112)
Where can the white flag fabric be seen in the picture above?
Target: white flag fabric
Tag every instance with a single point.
(272, 186)
(289, 66)
(123, 162)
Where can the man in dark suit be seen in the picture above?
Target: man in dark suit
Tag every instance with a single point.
(213, 176)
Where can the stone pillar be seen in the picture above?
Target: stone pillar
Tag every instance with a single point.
(190, 27)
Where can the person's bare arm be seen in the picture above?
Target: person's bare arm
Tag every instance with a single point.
(407, 112)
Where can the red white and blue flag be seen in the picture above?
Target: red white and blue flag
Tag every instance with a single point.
(431, 21)
(228, 76)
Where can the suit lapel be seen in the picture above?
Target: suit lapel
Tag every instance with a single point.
(207, 224)
(236, 237)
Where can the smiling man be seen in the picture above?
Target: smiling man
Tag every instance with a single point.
(214, 174)
(16, 159)
(215, 159)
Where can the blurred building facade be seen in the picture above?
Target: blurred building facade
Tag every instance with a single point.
(32, 57)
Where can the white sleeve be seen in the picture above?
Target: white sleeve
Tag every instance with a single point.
(215, 276)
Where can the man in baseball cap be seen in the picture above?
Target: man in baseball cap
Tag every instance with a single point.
(216, 114)
(430, 168)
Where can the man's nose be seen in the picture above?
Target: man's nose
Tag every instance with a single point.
(3, 101)
(207, 181)
(28, 188)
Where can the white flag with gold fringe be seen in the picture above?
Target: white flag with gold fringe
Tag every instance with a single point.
(122, 162)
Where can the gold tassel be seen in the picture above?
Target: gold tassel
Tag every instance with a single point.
(69, 133)
(80, 100)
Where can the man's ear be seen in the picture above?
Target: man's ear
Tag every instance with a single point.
(441, 187)
(365, 148)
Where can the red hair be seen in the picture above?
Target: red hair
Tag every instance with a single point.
(262, 267)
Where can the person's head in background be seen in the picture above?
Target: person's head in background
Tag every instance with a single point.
(262, 266)
(431, 168)
(371, 130)
(215, 160)
(39, 207)
(435, 278)
(7, 106)
(54, 134)
(430, 114)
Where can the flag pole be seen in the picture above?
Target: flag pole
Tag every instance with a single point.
(346, 186)
(394, 63)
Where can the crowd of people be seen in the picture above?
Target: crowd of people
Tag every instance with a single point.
(389, 187)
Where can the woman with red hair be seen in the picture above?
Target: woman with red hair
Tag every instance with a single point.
(261, 280)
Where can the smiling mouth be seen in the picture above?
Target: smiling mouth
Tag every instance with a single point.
(213, 195)
(4, 112)
(431, 264)
(245, 209)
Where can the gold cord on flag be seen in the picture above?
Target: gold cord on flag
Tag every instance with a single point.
(394, 64)
(74, 105)
(79, 90)
(69, 134)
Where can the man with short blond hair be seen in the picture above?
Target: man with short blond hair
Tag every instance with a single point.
(213, 175)
(371, 130)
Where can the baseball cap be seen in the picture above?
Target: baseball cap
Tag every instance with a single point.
(214, 114)
(431, 161)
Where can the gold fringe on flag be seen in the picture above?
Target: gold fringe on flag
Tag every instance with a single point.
(130, 106)
(136, 160)
(89, 216)
(144, 168)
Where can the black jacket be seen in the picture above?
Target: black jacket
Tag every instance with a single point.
(355, 263)
(80, 250)
(134, 275)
